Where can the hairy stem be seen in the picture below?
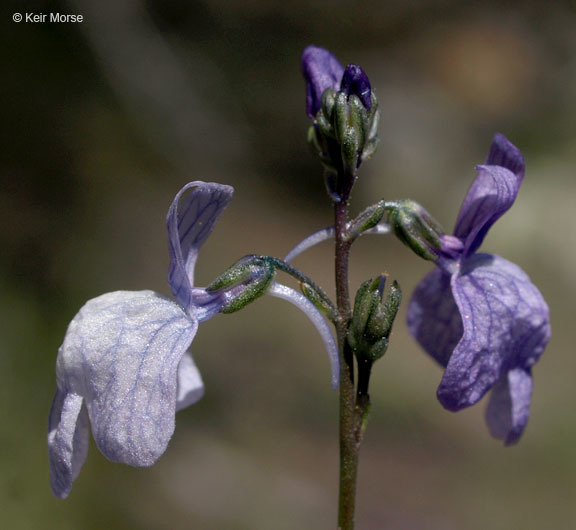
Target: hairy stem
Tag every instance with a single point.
(348, 439)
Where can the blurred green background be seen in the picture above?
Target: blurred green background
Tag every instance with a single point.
(103, 121)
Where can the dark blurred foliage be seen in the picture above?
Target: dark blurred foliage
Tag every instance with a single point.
(103, 121)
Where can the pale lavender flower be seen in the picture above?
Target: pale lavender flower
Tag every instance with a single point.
(322, 70)
(479, 315)
(124, 366)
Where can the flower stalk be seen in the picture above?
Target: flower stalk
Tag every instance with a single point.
(353, 405)
(348, 444)
(344, 111)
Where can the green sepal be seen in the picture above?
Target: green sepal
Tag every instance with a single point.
(364, 414)
(313, 141)
(366, 220)
(364, 304)
(347, 125)
(358, 119)
(415, 227)
(340, 118)
(255, 289)
(324, 126)
(372, 122)
(380, 325)
(254, 272)
(327, 103)
(378, 349)
(234, 274)
(319, 302)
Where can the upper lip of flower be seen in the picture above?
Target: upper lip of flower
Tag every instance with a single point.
(491, 195)
(190, 221)
(321, 70)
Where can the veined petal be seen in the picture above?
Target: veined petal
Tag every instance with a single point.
(191, 218)
(208, 303)
(68, 435)
(122, 353)
(509, 406)
(433, 317)
(490, 196)
(321, 70)
(506, 326)
(190, 385)
(504, 153)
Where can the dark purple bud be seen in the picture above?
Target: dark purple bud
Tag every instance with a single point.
(321, 70)
(356, 82)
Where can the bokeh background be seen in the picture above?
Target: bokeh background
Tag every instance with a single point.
(103, 121)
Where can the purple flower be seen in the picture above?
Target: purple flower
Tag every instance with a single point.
(322, 70)
(124, 366)
(479, 315)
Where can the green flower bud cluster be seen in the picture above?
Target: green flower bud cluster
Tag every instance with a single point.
(373, 317)
(344, 133)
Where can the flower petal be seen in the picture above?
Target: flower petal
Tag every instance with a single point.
(321, 70)
(433, 317)
(509, 406)
(68, 435)
(190, 220)
(504, 153)
(355, 81)
(490, 196)
(122, 353)
(506, 326)
(190, 385)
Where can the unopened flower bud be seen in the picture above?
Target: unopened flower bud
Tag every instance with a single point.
(356, 82)
(345, 113)
(244, 282)
(373, 317)
(416, 228)
(366, 220)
